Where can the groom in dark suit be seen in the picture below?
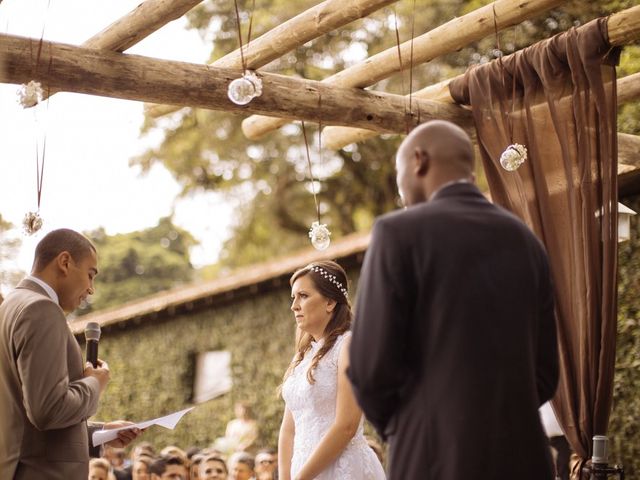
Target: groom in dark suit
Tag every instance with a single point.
(454, 341)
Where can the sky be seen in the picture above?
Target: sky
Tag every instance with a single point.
(87, 181)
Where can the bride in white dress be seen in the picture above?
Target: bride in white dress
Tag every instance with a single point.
(321, 434)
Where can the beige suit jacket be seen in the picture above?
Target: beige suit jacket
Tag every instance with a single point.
(44, 400)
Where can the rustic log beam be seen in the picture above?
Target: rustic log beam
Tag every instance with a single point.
(620, 32)
(308, 25)
(138, 24)
(335, 138)
(629, 149)
(448, 37)
(628, 88)
(133, 77)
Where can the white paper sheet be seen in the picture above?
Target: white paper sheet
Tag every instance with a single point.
(168, 421)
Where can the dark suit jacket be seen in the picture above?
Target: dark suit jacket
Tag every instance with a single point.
(44, 399)
(454, 341)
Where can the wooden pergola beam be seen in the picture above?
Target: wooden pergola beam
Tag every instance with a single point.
(629, 149)
(138, 24)
(446, 38)
(148, 17)
(623, 27)
(133, 77)
(308, 25)
(628, 88)
(335, 138)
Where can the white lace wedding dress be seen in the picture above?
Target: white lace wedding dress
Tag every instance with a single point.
(314, 409)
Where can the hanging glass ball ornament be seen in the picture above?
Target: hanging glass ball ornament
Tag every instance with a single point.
(30, 94)
(320, 236)
(244, 89)
(31, 223)
(513, 157)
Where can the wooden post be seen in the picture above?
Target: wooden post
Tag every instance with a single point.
(446, 38)
(134, 77)
(306, 26)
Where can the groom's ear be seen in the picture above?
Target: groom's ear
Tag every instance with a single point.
(421, 162)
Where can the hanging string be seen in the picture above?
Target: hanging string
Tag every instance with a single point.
(319, 131)
(413, 25)
(515, 154)
(395, 19)
(30, 95)
(239, 29)
(313, 182)
(510, 115)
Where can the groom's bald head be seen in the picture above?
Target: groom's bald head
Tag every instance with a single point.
(433, 153)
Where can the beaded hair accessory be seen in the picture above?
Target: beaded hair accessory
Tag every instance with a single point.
(330, 278)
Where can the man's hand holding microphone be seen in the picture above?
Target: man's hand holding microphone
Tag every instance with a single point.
(99, 369)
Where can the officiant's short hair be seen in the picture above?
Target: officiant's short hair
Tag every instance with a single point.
(58, 241)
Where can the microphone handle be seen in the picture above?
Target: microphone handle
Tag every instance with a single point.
(92, 352)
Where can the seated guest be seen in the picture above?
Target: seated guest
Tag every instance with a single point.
(174, 451)
(99, 469)
(168, 468)
(266, 464)
(140, 467)
(241, 466)
(241, 432)
(194, 465)
(144, 449)
(213, 467)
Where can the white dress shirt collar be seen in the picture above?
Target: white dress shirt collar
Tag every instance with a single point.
(47, 288)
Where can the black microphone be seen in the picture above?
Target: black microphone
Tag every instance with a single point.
(92, 336)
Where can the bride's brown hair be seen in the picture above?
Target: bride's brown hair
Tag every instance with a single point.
(330, 280)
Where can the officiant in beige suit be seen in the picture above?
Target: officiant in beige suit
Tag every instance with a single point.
(46, 391)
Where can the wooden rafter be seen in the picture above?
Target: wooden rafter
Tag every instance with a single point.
(624, 27)
(629, 149)
(308, 25)
(134, 77)
(446, 38)
(138, 24)
(335, 138)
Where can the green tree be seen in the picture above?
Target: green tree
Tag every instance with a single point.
(9, 246)
(206, 150)
(133, 265)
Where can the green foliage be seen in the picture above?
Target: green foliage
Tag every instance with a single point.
(9, 246)
(629, 114)
(152, 368)
(133, 265)
(207, 150)
(624, 425)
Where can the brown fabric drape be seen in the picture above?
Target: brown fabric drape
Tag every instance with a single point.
(558, 99)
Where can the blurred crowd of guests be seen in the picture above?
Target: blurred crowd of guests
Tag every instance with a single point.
(174, 463)
(232, 457)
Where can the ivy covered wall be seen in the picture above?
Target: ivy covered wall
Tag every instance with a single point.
(152, 366)
(624, 425)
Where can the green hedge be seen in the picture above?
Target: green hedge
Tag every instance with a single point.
(624, 425)
(152, 367)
